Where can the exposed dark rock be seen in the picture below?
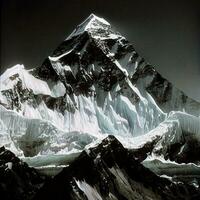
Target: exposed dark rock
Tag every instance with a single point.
(141, 154)
(160, 89)
(17, 180)
(18, 95)
(142, 72)
(46, 71)
(111, 171)
(186, 152)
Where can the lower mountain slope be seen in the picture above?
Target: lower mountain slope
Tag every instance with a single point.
(17, 180)
(108, 171)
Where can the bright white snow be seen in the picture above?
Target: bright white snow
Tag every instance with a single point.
(11, 76)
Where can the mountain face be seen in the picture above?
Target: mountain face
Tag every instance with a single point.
(93, 85)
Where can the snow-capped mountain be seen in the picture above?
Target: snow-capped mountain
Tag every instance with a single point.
(95, 84)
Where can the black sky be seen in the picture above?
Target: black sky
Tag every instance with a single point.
(166, 33)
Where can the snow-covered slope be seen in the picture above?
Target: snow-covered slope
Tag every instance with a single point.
(172, 148)
(93, 84)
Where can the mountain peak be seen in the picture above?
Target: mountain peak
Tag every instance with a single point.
(92, 17)
(92, 22)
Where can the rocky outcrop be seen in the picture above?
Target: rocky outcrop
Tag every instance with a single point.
(17, 180)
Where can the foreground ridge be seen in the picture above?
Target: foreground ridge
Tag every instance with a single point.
(109, 171)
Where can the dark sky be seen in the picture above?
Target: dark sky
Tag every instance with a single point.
(166, 33)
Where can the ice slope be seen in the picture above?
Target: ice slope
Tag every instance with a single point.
(173, 147)
(18, 73)
(42, 129)
(92, 85)
(179, 128)
(30, 137)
